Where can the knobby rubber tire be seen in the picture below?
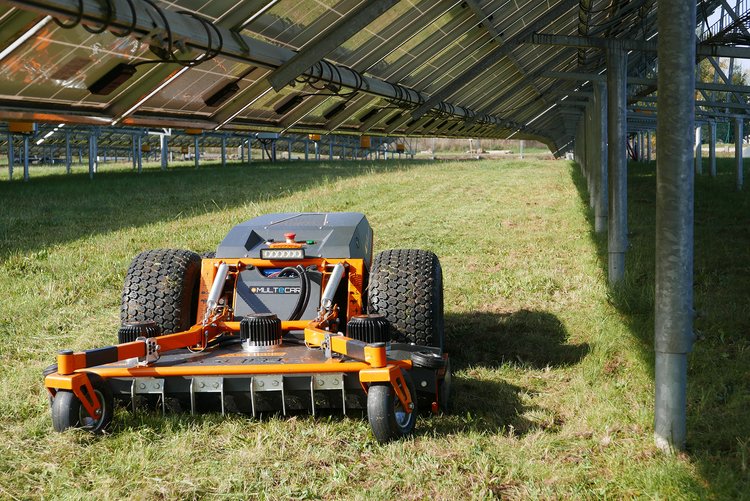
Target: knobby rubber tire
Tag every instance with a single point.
(382, 409)
(68, 411)
(162, 286)
(406, 285)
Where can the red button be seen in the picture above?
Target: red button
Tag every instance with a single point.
(290, 237)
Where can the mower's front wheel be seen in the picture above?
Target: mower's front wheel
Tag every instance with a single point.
(69, 412)
(387, 416)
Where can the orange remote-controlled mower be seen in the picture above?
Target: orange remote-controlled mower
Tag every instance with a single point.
(291, 313)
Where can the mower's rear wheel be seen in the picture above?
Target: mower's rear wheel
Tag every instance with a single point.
(387, 416)
(161, 286)
(406, 286)
(69, 412)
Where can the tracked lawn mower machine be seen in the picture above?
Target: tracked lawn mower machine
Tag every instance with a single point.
(291, 314)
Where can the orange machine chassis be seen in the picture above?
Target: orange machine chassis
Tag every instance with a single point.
(369, 361)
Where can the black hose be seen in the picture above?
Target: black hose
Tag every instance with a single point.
(299, 308)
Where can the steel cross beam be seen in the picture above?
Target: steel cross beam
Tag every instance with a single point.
(529, 78)
(302, 110)
(194, 35)
(595, 77)
(479, 13)
(493, 57)
(328, 41)
(735, 18)
(628, 44)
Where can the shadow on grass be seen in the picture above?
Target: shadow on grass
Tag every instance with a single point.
(55, 209)
(535, 339)
(718, 383)
(483, 402)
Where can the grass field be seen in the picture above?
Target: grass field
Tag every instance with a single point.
(553, 372)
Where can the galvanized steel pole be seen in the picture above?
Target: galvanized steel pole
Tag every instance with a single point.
(93, 152)
(26, 157)
(617, 66)
(223, 151)
(600, 208)
(11, 160)
(673, 322)
(68, 156)
(698, 151)
(712, 149)
(139, 153)
(738, 136)
(197, 156)
(591, 153)
(134, 146)
(164, 152)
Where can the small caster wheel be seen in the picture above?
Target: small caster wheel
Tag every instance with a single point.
(68, 412)
(388, 419)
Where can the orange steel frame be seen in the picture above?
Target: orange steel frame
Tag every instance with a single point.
(371, 362)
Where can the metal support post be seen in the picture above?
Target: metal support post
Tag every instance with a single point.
(135, 148)
(698, 151)
(68, 156)
(617, 65)
(648, 146)
(330, 149)
(592, 145)
(11, 160)
(673, 321)
(273, 150)
(164, 152)
(738, 136)
(197, 155)
(289, 150)
(307, 150)
(26, 157)
(600, 176)
(249, 150)
(712, 149)
(317, 152)
(92, 155)
(223, 151)
(242, 151)
(139, 153)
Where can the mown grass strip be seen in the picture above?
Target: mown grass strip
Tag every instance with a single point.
(553, 382)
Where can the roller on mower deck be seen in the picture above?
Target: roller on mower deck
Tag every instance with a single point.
(291, 314)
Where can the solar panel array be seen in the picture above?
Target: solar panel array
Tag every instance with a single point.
(472, 57)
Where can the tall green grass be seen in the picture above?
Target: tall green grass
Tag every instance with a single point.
(553, 379)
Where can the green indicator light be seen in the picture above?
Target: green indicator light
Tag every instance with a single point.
(310, 242)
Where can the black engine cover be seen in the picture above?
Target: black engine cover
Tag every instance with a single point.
(258, 293)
